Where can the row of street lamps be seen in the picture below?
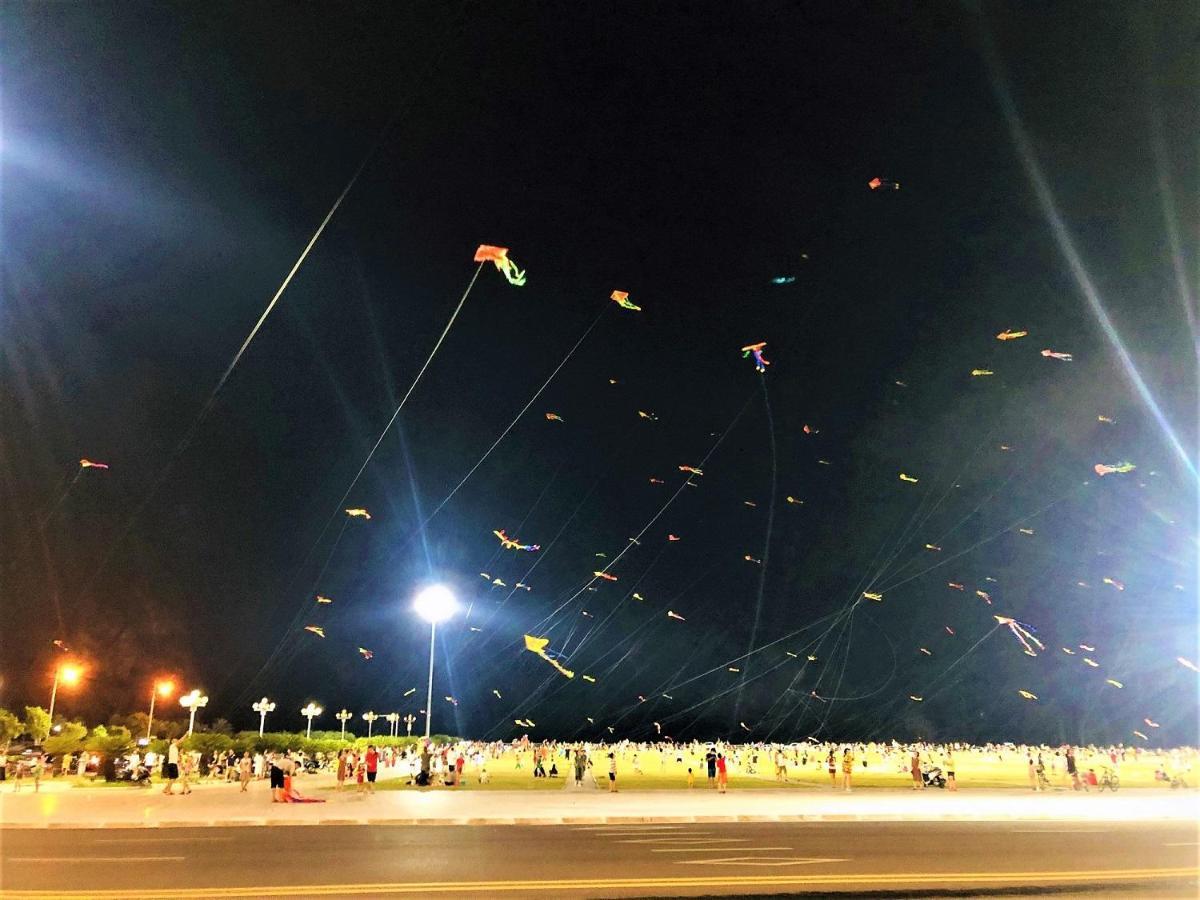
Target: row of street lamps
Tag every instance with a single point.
(434, 604)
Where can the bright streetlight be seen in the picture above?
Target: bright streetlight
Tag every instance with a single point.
(262, 707)
(69, 674)
(344, 716)
(393, 723)
(370, 716)
(310, 712)
(193, 701)
(164, 689)
(434, 604)
(408, 723)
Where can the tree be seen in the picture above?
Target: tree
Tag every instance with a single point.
(37, 723)
(108, 743)
(221, 726)
(68, 740)
(10, 728)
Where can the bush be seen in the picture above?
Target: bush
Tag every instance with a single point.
(206, 742)
(69, 740)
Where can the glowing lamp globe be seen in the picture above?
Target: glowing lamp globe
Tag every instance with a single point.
(435, 604)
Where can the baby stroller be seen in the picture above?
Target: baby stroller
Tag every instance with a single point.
(933, 777)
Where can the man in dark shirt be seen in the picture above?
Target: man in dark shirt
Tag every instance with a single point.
(710, 760)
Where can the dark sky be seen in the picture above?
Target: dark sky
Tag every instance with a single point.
(164, 165)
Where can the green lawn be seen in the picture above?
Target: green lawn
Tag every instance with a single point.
(973, 769)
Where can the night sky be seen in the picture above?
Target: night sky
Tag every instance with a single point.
(164, 166)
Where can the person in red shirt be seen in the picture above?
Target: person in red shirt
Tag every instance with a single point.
(459, 765)
(372, 767)
(722, 773)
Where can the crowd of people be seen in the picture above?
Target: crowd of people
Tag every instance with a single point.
(425, 764)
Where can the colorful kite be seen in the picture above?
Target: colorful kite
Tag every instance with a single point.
(672, 538)
(1027, 695)
(975, 373)
(589, 679)
(553, 417)
(877, 183)
(538, 646)
(908, 478)
(1025, 530)
(750, 503)
(745, 727)
(622, 300)
(925, 651)
(315, 629)
(1119, 585)
(605, 576)
(522, 586)
(692, 470)
(790, 499)
(1068, 651)
(1187, 663)
(949, 630)
(1142, 736)
(671, 614)
(783, 279)
(88, 464)
(1010, 335)
(1022, 632)
(915, 698)
(868, 595)
(642, 414)
(791, 654)
(1151, 723)
(1118, 468)
(497, 693)
(934, 547)
(499, 257)
(637, 596)
(1091, 662)
(657, 481)
(808, 429)
(409, 692)
(358, 513)
(1087, 647)
(749, 558)
(984, 596)
(756, 350)
(511, 544)
(1054, 354)
(1113, 682)
(954, 585)
(733, 669)
(1105, 419)
(321, 599)
(365, 653)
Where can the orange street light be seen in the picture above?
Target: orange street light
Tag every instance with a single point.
(164, 689)
(67, 673)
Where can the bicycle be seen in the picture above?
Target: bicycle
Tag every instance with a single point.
(1109, 780)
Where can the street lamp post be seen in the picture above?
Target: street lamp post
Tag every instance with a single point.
(408, 723)
(393, 723)
(370, 716)
(70, 674)
(193, 701)
(262, 707)
(344, 716)
(163, 689)
(434, 604)
(310, 712)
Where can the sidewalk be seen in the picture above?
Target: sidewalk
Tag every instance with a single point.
(224, 805)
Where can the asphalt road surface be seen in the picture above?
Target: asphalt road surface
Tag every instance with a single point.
(878, 859)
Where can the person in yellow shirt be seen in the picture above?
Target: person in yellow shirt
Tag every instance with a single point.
(847, 768)
(691, 779)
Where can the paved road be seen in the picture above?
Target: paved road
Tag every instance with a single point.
(1135, 860)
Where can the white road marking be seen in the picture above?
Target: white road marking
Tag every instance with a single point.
(630, 825)
(1183, 844)
(1059, 830)
(758, 861)
(706, 849)
(92, 859)
(157, 839)
(686, 840)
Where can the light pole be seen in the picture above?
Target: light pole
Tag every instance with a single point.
(70, 675)
(262, 707)
(310, 712)
(191, 702)
(408, 723)
(344, 716)
(370, 716)
(393, 723)
(163, 689)
(434, 604)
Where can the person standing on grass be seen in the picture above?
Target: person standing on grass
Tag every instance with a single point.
(951, 784)
(171, 767)
(710, 760)
(1072, 769)
(245, 771)
(372, 762)
(847, 768)
(1031, 768)
(722, 774)
(914, 767)
(831, 765)
(612, 773)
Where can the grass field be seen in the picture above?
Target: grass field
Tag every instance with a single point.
(973, 770)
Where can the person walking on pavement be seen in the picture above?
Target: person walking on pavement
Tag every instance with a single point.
(245, 770)
(612, 773)
(171, 767)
